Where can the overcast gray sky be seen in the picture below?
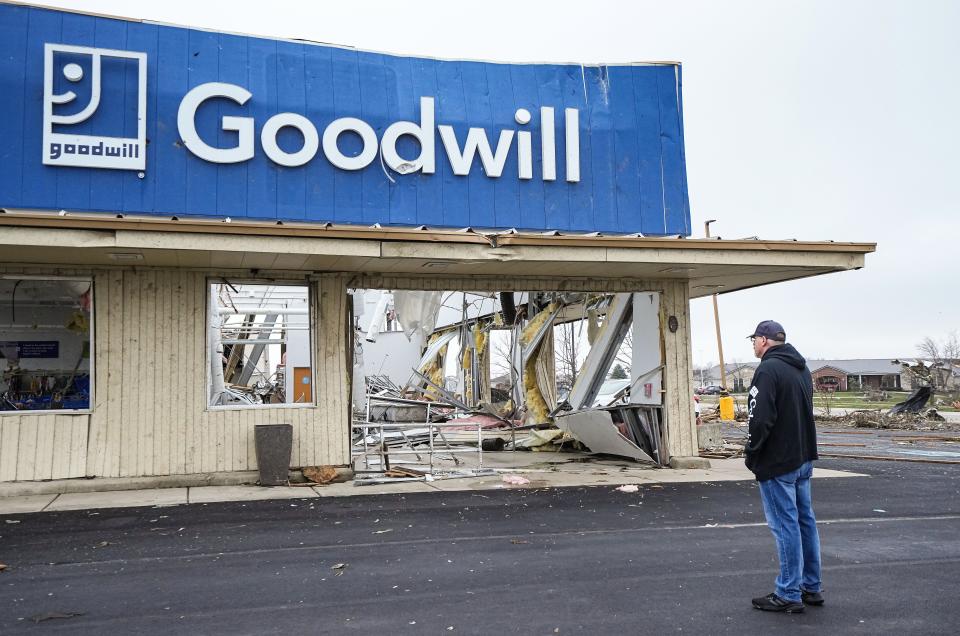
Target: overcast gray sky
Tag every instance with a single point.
(809, 120)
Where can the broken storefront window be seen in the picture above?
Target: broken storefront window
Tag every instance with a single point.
(520, 365)
(259, 344)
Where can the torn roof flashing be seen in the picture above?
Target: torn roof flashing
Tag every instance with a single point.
(709, 265)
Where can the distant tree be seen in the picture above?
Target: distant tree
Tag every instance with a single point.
(618, 372)
(567, 353)
(942, 354)
(624, 355)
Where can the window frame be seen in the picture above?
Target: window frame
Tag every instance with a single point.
(91, 339)
(309, 285)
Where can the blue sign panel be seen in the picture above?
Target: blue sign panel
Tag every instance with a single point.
(133, 117)
(23, 349)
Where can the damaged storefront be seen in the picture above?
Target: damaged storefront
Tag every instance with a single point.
(408, 261)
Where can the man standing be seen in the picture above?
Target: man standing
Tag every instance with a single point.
(781, 447)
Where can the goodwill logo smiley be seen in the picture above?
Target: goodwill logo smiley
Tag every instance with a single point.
(78, 83)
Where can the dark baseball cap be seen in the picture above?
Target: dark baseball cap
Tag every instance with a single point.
(770, 329)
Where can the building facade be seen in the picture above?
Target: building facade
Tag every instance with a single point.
(124, 252)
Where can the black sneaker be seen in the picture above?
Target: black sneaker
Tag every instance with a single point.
(773, 603)
(811, 598)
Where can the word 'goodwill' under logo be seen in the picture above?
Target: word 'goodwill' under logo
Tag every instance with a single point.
(73, 134)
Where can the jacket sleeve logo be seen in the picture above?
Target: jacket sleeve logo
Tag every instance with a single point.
(89, 118)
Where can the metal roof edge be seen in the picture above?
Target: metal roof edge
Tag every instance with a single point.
(494, 238)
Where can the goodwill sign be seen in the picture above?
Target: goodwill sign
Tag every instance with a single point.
(133, 117)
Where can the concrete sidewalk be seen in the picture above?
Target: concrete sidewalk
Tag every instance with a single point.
(562, 470)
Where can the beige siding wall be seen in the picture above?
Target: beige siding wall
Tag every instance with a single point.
(35, 447)
(678, 375)
(150, 415)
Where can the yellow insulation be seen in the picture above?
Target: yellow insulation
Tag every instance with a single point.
(479, 343)
(467, 376)
(537, 409)
(434, 368)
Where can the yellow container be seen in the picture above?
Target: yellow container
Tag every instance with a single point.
(726, 408)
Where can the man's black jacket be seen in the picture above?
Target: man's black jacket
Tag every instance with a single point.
(782, 432)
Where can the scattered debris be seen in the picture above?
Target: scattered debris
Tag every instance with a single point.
(518, 541)
(448, 417)
(12, 520)
(320, 474)
(923, 421)
(384, 531)
(727, 451)
(628, 488)
(839, 444)
(400, 471)
(914, 402)
(515, 480)
(3, 566)
(340, 567)
(38, 618)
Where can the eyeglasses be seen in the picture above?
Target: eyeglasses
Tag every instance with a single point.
(754, 338)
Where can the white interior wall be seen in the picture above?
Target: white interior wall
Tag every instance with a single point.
(647, 351)
(391, 355)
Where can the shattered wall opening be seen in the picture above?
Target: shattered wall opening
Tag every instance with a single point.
(533, 370)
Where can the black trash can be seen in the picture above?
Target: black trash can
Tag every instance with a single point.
(274, 443)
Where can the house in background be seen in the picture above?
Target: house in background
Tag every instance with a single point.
(856, 375)
(828, 375)
(739, 375)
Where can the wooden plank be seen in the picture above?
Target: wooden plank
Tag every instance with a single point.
(148, 351)
(685, 369)
(113, 386)
(251, 448)
(46, 426)
(681, 434)
(9, 446)
(164, 340)
(27, 453)
(334, 414)
(98, 419)
(185, 374)
(176, 377)
(127, 380)
(202, 438)
(78, 454)
(229, 431)
(62, 446)
(198, 420)
(682, 395)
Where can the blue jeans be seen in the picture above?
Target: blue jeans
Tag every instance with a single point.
(789, 511)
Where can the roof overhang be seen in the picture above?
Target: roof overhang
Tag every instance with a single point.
(709, 265)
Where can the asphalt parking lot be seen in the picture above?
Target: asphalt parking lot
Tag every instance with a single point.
(683, 557)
